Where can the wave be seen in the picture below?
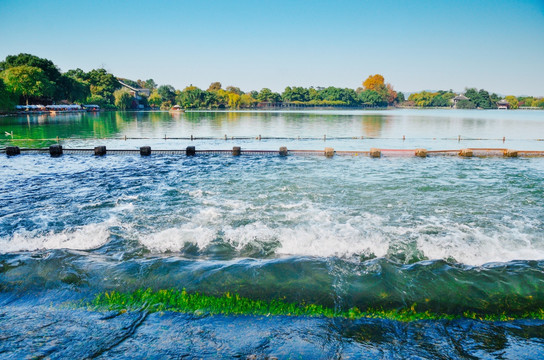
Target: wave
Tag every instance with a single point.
(85, 237)
(303, 230)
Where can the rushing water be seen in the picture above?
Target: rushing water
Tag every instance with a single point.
(445, 233)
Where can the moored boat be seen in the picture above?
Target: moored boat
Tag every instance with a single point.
(177, 109)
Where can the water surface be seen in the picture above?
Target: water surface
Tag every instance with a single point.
(444, 234)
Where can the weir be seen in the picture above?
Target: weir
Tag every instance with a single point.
(57, 150)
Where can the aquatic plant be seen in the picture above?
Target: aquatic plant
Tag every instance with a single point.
(233, 304)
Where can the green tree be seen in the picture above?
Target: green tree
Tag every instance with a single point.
(50, 70)
(98, 100)
(344, 96)
(215, 86)
(296, 94)
(123, 99)
(7, 99)
(28, 81)
(155, 100)
(148, 84)
(439, 101)
(192, 97)
(167, 92)
(266, 95)
(465, 104)
(72, 89)
(372, 98)
(103, 83)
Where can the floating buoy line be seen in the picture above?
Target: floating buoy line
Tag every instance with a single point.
(57, 150)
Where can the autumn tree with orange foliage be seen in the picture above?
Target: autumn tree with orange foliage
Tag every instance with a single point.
(374, 82)
(377, 92)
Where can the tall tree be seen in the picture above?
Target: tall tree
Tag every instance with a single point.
(28, 81)
(49, 69)
(155, 100)
(7, 98)
(296, 93)
(234, 90)
(191, 97)
(215, 86)
(266, 95)
(374, 82)
(167, 92)
(123, 99)
(72, 89)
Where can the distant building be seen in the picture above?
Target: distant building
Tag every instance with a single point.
(459, 98)
(503, 104)
(136, 92)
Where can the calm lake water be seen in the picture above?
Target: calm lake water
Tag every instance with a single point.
(446, 235)
(431, 129)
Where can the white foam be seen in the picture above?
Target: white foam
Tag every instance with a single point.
(174, 239)
(475, 246)
(308, 231)
(85, 237)
(304, 229)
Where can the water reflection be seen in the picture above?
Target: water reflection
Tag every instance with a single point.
(372, 125)
(419, 127)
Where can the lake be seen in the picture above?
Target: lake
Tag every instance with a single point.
(443, 235)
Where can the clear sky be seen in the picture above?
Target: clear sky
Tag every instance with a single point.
(497, 45)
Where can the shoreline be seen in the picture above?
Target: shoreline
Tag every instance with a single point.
(300, 109)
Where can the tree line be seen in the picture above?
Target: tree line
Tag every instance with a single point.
(475, 99)
(28, 79)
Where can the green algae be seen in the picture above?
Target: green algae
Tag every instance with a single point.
(233, 304)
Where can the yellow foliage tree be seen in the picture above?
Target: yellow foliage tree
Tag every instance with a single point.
(234, 100)
(246, 100)
(374, 82)
(513, 101)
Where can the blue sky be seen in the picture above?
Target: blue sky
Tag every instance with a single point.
(496, 45)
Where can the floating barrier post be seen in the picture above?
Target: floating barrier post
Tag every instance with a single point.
(503, 139)
(100, 150)
(459, 138)
(510, 153)
(325, 137)
(403, 137)
(466, 153)
(191, 137)
(421, 152)
(283, 151)
(225, 137)
(190, 151)
(55, 150)
(145, 150)
(329, 152)
(375, 153)
(236, 151)
(12, 150)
